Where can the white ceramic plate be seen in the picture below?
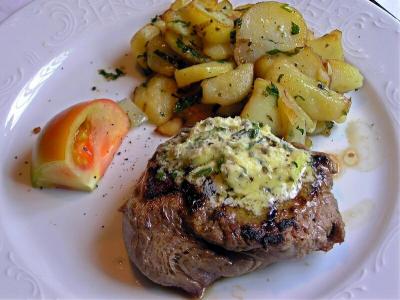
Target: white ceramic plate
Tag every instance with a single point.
(65, 244)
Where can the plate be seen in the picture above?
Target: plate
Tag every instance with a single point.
(66, 244)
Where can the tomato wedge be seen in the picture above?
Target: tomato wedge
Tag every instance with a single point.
(76, 147)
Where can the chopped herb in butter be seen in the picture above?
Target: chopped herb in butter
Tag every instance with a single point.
(250, 167)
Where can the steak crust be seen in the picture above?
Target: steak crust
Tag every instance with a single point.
(176, 238)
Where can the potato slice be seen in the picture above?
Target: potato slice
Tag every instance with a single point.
(171, 127)
(198, 12)
(295, 122)
(186, 47)
(266, 27)
(263, 105)
(243, 8)
(305, 60)
(230, 87)
(159, 22)
(160, 58)
(175, 22)
(199, 72)
(317, 101)
(156, 98)
(264, 63)
(216, 32)
(139, 42)
(178, 4)
(310, 36)
(225, 7)
(323, 128)
(310, 64)
(301, 115)
(140, 96)
(344, 77)
(218, 51)
(328, 46)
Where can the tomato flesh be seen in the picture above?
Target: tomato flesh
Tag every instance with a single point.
(82, 151)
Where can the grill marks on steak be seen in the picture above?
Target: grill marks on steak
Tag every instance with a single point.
(163, 250)
(176, 238)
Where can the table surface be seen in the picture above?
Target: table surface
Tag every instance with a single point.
(7, 7)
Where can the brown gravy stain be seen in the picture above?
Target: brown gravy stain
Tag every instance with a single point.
(358, 214)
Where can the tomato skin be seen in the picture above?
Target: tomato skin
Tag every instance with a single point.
(77, 145)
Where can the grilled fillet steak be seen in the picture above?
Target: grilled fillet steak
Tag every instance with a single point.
(176, 237)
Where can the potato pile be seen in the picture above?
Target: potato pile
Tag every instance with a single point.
(260, 61)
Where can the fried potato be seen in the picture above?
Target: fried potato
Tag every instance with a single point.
(175, 22)
(344, 77)
(230, 87)
(316, 100)
(156, 98)
(328, 46)
(160, 58)
(178, 4)
(295, 122)
(269, 27)
(187, 47)
(140, 96)
(323, 128)
(215, 32)
(218, 51)
(310, 64)
(305, 60)
(171, 127)
(263, 105)
(199, 12)
(139, 42)
(199, 72)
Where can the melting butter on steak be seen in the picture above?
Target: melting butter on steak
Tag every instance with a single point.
(225, 198)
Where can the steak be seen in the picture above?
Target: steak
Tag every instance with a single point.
(177, 237)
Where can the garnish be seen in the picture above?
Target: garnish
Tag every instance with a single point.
(301, 130)
(185, 24)
(329, 124)
(295, 29)
(274, 51)
(271, 90)
(187, 101)
(188, 49)
(160, 175)
(253, 132)
(173, 60)
(300, 97)
(155, 19)
(112, 76)
(203, 172)
(288, 53)
(237, 22)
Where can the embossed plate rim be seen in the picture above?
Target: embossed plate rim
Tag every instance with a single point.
(26, 64)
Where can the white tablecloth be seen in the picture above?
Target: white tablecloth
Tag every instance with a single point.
(7, 7)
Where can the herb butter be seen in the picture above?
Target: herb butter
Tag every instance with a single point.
(249, 166)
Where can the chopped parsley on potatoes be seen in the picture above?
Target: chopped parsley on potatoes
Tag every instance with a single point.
(260, 61)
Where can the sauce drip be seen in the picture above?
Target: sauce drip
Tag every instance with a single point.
(364, 152)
